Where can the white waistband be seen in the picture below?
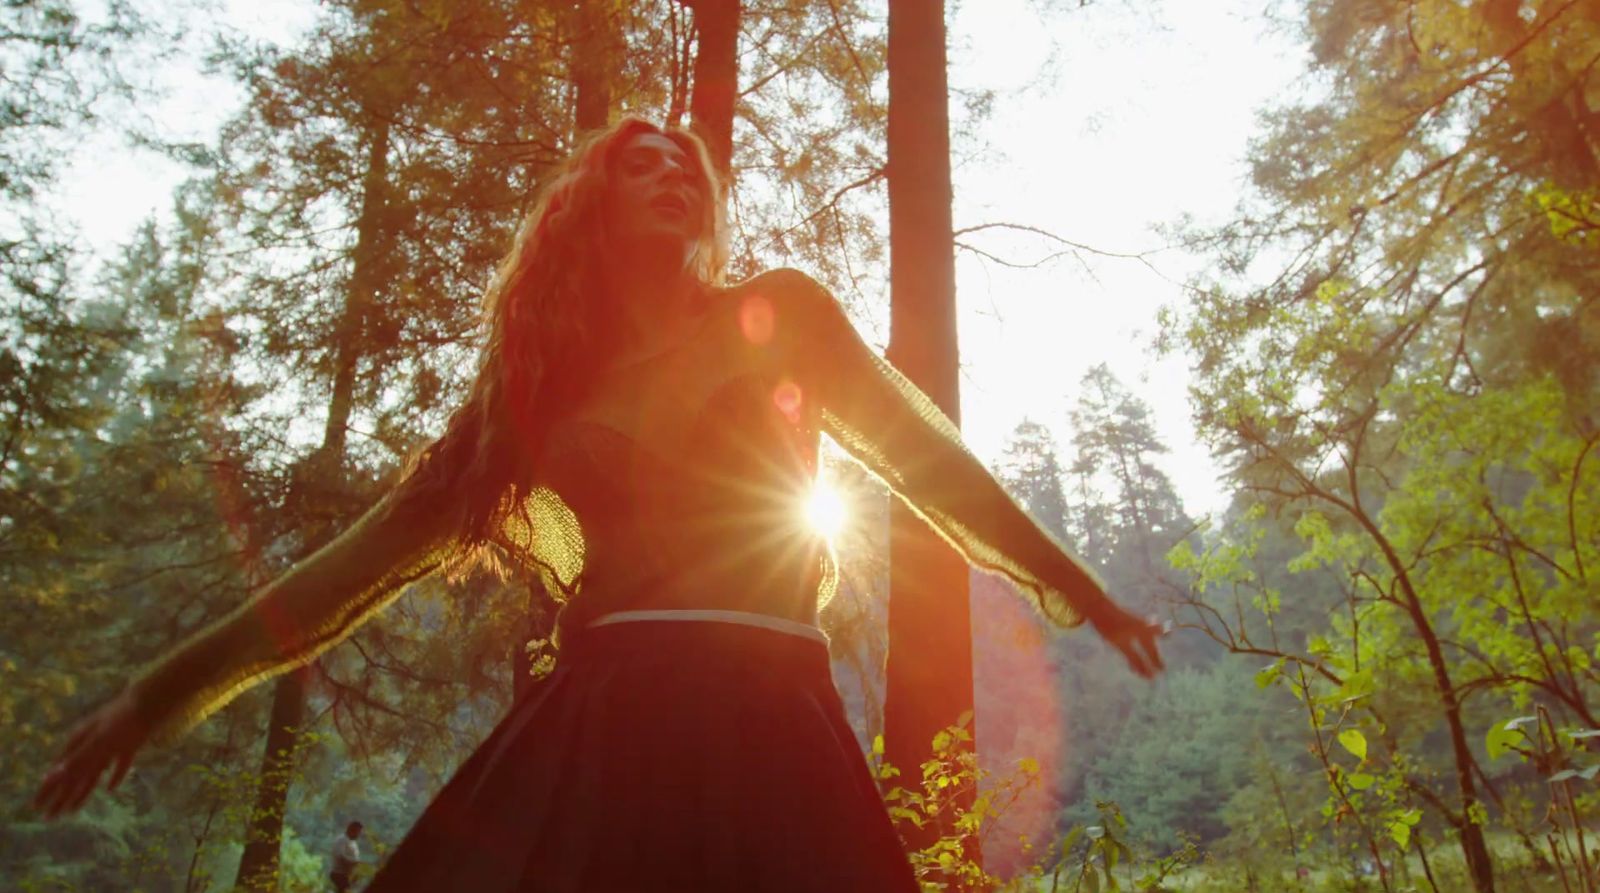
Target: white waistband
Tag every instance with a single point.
(747, 618)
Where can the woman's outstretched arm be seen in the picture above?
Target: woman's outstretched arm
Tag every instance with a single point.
(892, 428)
(298, 616)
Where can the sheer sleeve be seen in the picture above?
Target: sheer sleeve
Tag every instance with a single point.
(888, 425)
(309, 609)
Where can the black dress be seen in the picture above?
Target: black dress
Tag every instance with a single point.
(663, 756)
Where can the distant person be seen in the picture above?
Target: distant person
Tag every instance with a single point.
(646, 438)
(346, 856)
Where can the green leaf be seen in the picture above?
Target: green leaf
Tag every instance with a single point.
(1091, 881)
(1589, 773)
(903, 814)
(1585, 733)
(1401, 834)
(877, 745)
(1268, 674)
(1355, 742)
(1028, 765)
(1563, 775)
(1095, 832)
(1503, 737)
(1361, 781)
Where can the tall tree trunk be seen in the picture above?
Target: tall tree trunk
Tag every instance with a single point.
(716, 76)
(929, 684)
(258, 864)
(593, 63)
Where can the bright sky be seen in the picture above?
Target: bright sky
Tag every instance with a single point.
(1146, 118)
(1143, 117)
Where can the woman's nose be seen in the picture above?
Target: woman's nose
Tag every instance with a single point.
(674, 170)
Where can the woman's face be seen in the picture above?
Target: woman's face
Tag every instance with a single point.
(657, 203)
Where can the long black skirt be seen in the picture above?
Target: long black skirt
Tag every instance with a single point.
(663, 756)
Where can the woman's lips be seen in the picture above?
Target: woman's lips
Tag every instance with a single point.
(671, 203)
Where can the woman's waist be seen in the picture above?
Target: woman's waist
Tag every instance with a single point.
(752, 619)
(734, 577)
(715, 641)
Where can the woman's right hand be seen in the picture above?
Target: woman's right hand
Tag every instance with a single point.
(109, 737)
(1136, 637)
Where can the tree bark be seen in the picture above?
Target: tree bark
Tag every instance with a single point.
(258, 864)
(929, 673)
(1480, 868)
(593, 63)
(716, 77)
(1474, 849)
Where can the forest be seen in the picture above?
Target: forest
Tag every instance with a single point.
(1383, 664)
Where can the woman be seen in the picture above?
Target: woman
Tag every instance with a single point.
(644, 437)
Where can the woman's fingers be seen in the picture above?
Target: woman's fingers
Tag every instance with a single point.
(1150, 641)
(47, 789)
(57, 782)
(1137, 642)
(85, 787)
(1136, 661)
(71, 781)
(119, 770)
(109, 738)
(75, 787)
(53, 794)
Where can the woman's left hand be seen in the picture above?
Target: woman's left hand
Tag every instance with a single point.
(108, 739)
(1134, 636)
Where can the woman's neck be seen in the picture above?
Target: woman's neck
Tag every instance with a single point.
(653, 304)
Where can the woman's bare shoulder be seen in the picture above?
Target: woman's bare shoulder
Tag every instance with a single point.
(789, 293)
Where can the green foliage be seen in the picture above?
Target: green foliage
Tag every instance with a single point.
(1562, 759)
(1395, 354)
(1182, 751)
(948, 779)
(1574, 217)
(1088, 857)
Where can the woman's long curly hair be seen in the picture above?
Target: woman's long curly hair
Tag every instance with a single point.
(551, 328)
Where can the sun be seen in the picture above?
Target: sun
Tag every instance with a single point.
(825, 510)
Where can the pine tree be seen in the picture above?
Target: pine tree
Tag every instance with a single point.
(1140, 517)
(1032, 473)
